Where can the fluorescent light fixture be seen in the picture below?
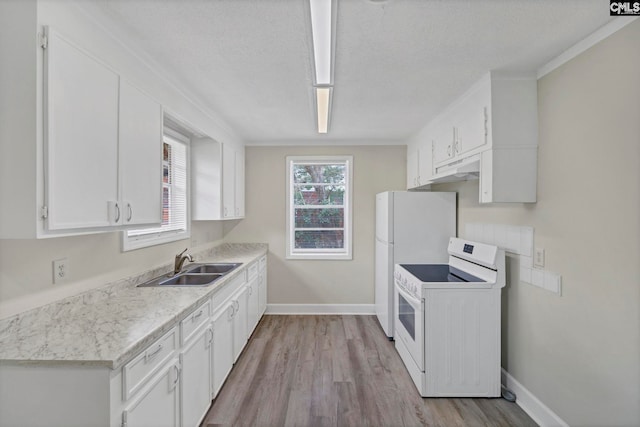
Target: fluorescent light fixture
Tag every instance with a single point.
(321, 33)
(322, 98)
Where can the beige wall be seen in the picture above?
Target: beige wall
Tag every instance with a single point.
(580, 352)
(375, 169)
(26, 271)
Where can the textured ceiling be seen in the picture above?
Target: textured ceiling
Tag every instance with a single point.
(397, 62)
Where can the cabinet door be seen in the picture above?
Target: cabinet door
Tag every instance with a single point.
(195, 387)
(222, 358)
(239, 183)
(425, 161)
(158, 404)
(228, 181)
(442, 140)
(471, 122)
(140, 157)
(412, 167)
(253, 305)
(206, 179)
(240, 322)
(81, 137)
(262, 291)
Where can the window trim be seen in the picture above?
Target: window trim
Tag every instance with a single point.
(320, 254)
(130, 243)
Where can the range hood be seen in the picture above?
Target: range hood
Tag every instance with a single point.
(463, 170)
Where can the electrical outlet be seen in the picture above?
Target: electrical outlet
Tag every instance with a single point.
(538, 257)
(60, 271)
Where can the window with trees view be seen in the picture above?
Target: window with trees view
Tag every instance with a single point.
(319, 202)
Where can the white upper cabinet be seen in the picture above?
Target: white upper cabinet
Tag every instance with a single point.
(217, 180)
(419, 164)
(100, 165)
(81, 137)
(412, 167)
(103, 140)
(490, 133)
(140, 157)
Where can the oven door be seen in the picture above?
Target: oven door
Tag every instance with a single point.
(409, 324)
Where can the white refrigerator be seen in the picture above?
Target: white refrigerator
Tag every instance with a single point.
(411, 228)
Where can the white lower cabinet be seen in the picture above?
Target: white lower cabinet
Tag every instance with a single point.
(262, 286)
(253, 304)
(195, 387)
(240, 322)
(158, 404)
(222, 356)
(170, 383)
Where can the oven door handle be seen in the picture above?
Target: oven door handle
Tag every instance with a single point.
(415, 302)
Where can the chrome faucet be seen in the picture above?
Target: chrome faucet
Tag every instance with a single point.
(180, 259)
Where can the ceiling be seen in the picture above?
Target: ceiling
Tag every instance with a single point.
(397, 62)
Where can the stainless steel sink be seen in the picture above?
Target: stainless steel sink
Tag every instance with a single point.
(196, 275)
(212, 268)
(190, 280)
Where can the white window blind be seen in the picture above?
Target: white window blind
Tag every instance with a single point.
(175, 224)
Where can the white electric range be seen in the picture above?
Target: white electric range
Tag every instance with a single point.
(447, 321)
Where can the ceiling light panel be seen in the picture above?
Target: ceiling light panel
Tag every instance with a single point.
(323, 95)
(321, 32)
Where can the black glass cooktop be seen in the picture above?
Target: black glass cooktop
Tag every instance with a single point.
(430, 273)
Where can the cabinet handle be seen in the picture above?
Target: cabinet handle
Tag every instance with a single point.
(177, 371)
(486, 125)
(154, 353)
(237, 305)
(130, 212)
(449, 150)
(226, 212)
(210, 330)
(231, 312)
(195, 316)
(117, 212)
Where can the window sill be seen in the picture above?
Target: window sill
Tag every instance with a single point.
(320, 256)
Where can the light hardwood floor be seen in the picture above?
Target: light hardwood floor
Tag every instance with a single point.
(337, 371)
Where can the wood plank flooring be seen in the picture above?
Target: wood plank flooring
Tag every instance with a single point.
(337, 371)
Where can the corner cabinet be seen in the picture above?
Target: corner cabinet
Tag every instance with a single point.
(217, 180)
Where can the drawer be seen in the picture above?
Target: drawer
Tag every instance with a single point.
(263, 262)
(252, 271)
(146, 364)
(193, 321)
(229, 289)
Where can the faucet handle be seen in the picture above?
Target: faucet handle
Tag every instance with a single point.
(181, 253)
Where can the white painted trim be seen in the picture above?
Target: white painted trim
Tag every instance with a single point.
(323, 142)
(530, 404)
(594, 38)
(321, 309)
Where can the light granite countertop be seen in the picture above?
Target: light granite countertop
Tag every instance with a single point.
(109, 325)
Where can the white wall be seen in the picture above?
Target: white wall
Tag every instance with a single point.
(580, 352)
(375, 169)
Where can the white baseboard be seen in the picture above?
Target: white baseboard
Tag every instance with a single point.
(320, 309)
(530, 404)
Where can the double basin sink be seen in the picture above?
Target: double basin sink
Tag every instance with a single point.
(194, 275)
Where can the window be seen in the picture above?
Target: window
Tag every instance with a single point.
(175, 224)
(319, 207)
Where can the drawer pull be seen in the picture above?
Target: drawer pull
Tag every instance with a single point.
(154, 353)
(195, 316)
